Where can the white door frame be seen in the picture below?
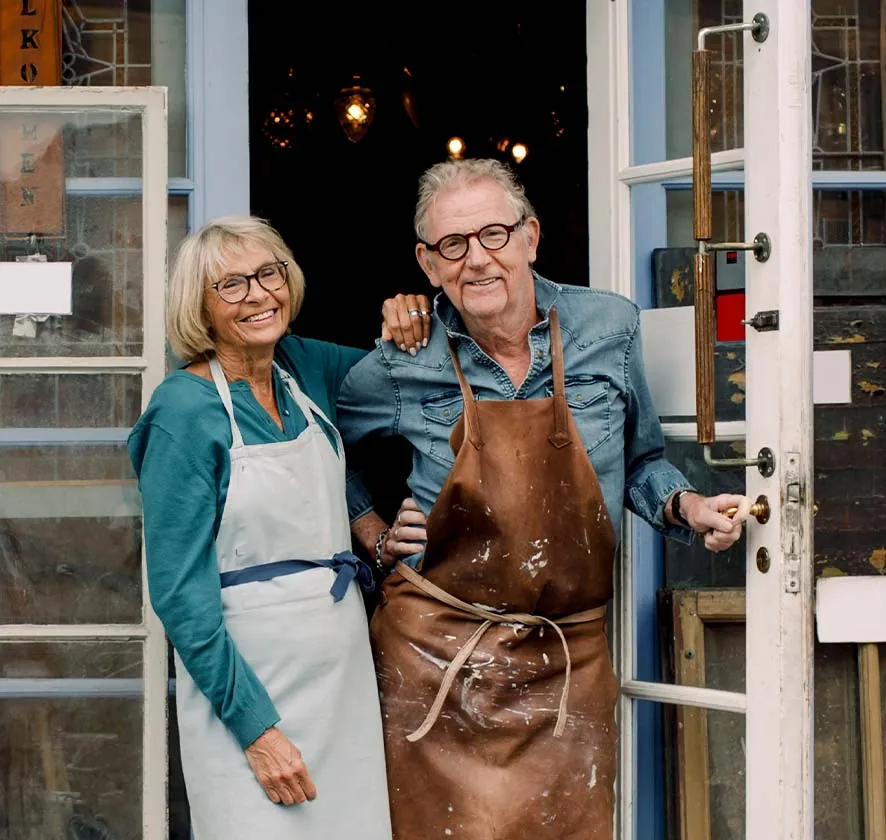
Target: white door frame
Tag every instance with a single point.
(777, 155)
(778, 172)
(151, 103)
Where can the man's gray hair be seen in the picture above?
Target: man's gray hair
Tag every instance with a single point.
(441, 176)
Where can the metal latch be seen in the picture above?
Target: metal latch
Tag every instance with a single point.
(790, 512)
(765, 321)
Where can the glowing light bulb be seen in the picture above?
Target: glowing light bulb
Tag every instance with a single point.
(456, 147)
(519, 151)
(355, 107)
(356, 112)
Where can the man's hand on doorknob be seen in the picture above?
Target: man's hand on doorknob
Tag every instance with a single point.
(706, 515)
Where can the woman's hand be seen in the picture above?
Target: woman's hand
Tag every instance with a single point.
(705, 515)
(407, 535)
(279, 768)
(407, 322)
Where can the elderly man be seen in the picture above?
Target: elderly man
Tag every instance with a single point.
(532, 426)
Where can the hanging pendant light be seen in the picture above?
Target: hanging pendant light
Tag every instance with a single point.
(355, 108)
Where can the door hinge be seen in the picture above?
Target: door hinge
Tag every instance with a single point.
(791, 530)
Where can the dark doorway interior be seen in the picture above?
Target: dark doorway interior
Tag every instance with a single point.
(494, 74)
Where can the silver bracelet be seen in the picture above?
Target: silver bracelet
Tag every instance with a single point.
(379, 550)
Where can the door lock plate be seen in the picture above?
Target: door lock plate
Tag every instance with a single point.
(790, 513)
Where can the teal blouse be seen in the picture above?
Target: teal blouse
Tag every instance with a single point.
(179, 449)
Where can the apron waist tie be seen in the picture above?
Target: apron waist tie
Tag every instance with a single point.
(490, 618)
(348, 567)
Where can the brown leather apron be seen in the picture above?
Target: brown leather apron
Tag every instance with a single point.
(498, 694)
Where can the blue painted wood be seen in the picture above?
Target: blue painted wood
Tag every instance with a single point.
(647, 83)
(218, 108)
(649, 230)
(647, 577)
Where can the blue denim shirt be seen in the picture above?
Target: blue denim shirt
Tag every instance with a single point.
(392, 393)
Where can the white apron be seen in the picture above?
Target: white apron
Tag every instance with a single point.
(286, 501)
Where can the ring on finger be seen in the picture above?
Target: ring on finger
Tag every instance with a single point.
(424, 313)
(414, 313)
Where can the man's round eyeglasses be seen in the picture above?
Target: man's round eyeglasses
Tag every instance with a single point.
(235, 287)
(454, 246)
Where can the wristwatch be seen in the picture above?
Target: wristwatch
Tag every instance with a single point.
(675, 508)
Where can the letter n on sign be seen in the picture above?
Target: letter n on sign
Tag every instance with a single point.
(32, 167)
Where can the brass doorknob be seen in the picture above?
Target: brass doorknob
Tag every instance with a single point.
(759, 510)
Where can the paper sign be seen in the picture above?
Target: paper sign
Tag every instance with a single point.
(668, 337)
(832, 377)
(850, 609)
(40, 288)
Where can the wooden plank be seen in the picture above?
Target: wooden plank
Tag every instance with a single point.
(692, 726)
(32, 195)
(874, 777)
(721, 604)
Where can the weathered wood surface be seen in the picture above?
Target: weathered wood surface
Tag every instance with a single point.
(850, 455)
(838, 271)
(850, 447)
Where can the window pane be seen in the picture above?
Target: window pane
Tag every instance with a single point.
(664, 34)
(690, 762)
(103, 241)
(689, 765)
(847, 113)
(71, 740)
(131, 42)
(70, 527)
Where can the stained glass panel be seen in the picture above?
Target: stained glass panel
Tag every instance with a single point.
(130, 43)
(848, 45)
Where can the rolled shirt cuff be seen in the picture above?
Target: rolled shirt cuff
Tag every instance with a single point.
(358, 497)
(650, 497)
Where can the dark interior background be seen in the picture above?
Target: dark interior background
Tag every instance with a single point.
(486, 72)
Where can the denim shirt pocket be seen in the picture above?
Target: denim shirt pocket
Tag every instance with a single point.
(588, 400)
(440, 412)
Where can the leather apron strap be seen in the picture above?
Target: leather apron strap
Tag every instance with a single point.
(470, 411)
(560, 436)
(489, 618)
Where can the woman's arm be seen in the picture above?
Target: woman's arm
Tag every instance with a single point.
(180, 502)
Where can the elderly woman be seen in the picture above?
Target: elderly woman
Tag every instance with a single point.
(242, 476)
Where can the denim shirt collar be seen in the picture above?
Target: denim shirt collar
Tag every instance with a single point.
(546, 295)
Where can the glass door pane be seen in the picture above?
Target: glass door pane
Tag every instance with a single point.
(83, 195)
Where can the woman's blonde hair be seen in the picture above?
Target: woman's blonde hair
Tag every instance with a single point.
(201, 261)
